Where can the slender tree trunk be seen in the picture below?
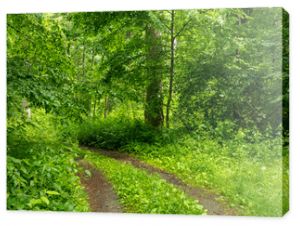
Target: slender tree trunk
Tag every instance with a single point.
(90, 96)
(171, 71)
(106, 106)
(85, 97)
(95, 104)
(153, 111)
(95, 101)
(99, 99)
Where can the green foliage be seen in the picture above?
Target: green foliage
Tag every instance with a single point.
(114, 133)
(38, 66)
(234, 72)
(248, 175)
(41, 171)
(140, 192)
(94, 77)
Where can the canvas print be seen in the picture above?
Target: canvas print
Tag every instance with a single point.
(154, 112)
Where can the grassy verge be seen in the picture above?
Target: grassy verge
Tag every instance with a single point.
(246, 167)
(140, 192)
(248, 175)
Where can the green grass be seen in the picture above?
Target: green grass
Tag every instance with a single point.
(248, 175)
(245, 167)
(140, 192)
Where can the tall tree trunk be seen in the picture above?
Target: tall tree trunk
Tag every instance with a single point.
(106, 106)
(171, 70)
(90, 96)
(95, 100)
(95, 104)
(85, 97)
(153, 111)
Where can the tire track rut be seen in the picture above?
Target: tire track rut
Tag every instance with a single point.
(101, 196)
(207, 199)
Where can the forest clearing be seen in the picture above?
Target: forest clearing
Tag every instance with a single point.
(163, 112)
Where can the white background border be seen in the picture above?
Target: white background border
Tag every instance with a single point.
(49, 218)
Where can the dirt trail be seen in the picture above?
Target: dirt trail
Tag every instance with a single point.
(207, 199)
(101, 195)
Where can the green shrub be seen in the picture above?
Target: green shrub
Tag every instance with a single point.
(114, 133)
(46, 181)
(41, 171)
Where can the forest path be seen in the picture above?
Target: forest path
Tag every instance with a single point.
(207, 199)
(100, 192)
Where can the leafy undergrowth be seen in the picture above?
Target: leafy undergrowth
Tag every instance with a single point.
(140, 192)
(249, 175)
(245, 167)
(114, 132)
(41, 171)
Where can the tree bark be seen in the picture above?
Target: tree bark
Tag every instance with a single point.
(171, 71)
(106, 106)
(153, 111)
(95, 104)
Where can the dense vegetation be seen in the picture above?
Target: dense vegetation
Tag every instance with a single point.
(136, 192)
(202, 94)
(41, 170)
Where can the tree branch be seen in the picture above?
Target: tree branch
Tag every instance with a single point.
(169, 29)
(182, 28)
